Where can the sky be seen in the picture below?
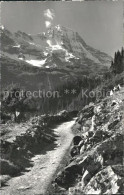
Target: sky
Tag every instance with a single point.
(99, 23)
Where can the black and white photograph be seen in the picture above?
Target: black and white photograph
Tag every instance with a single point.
(62, 98)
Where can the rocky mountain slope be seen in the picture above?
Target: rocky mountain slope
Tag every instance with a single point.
(57, 47)
(49, 59)
(96, 164)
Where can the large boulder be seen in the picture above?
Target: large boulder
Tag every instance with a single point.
(65, 178)
(76, 140)
(68, 176)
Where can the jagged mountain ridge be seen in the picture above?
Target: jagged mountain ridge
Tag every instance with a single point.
(58, 47)
(26, 57)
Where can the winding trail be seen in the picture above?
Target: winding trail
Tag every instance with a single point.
(37, 180)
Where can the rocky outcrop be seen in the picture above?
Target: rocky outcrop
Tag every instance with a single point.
(96, 164)
(106, 181)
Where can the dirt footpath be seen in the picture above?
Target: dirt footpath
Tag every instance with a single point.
(37, 180)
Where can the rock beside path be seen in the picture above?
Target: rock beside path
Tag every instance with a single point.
(96, 164)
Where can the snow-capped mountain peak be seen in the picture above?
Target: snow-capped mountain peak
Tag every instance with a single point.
(57, 47)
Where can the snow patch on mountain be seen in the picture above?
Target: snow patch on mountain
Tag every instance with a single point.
(69, 56)
(21, 58)
(58, 48)
(54, 47)
(31, 43)
(2, 27)
(45, 53)
(18, 46)
(58, 27)
(47, 66)
(38, 63)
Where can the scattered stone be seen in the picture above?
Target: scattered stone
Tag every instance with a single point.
(24, 187)
(74, 151)
(113, 124)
